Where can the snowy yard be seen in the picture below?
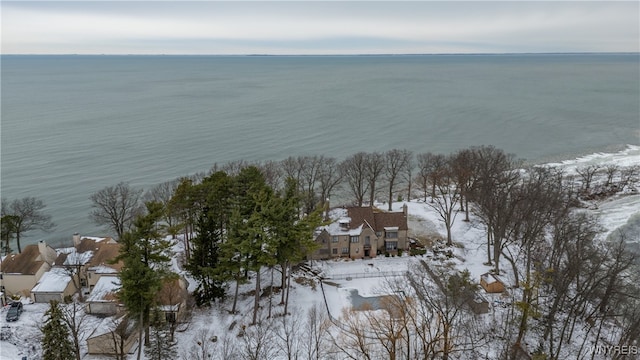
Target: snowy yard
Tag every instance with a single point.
(343, 277)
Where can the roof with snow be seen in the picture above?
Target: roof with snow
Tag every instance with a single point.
(54, 280)
(105, 289)
(351, 220)
(119, 325)
(490, 278)
(93, 252)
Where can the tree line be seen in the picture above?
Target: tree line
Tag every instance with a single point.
(240, 219)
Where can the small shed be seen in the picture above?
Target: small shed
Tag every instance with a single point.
(54, 285)
(491, 283)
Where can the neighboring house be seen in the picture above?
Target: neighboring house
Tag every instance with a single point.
(491, 283)
(55, 284)
(113, 336)
(172, 299)
(362, 232)
(19, 273)
(90, 259)
(103, 299)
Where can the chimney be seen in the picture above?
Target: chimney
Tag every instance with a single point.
(76, 239)
(326, 210)
(42, 247)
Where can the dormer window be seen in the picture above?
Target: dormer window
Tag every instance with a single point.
(344, 224)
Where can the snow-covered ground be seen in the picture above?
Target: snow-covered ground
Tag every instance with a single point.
(372, 274)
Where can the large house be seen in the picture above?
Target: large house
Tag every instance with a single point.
(90, 258)
(362, 232)
(19, 273)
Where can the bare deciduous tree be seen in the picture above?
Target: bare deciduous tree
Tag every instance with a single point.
(354, 171)
(315, 340)
(396, 162)
(162, 193)
(289, 337)
(429, 168)
(492, 193)
(586, 174)
(464, 168)
(25, 215)
(611, 171)
(258, 341)
(448, 194)
(116, 207)
(74, 317)
(272, 173)
(329, 178)
(375, 165)
(203, 349)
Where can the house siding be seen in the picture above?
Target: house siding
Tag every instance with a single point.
(18, 284)
(362, 222)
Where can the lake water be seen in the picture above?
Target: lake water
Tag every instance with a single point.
(72, 125)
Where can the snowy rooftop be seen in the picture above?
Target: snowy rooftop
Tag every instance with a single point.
(76, 258)
(104, 286)
(96, 238)
(489, 278)
(55, 280)
(103, 269)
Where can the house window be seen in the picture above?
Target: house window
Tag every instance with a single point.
(335, 251)
(367, 240)
(357, 250)
(355, 239)
(392, 234)
(345, 250)
(334, 239)
(392, 245)
(378, 233)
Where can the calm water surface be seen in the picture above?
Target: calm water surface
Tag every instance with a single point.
(74, 124)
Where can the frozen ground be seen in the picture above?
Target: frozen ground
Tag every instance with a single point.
(469, 253)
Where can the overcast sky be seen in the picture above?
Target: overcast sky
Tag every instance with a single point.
(302, 27)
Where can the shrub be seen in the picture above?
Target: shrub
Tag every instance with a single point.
(414, 252)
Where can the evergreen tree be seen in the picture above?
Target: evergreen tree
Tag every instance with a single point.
(212, 229)
(293, 233)
(56, 344)
(146, 258)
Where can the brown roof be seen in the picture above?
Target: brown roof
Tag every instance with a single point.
(103, 252)
(25, 263)
(376, 218)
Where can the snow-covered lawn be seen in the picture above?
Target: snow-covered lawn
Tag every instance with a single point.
(367, 276)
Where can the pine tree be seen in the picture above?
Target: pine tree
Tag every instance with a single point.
(146, 260)
(56, 344)
(212, 229)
